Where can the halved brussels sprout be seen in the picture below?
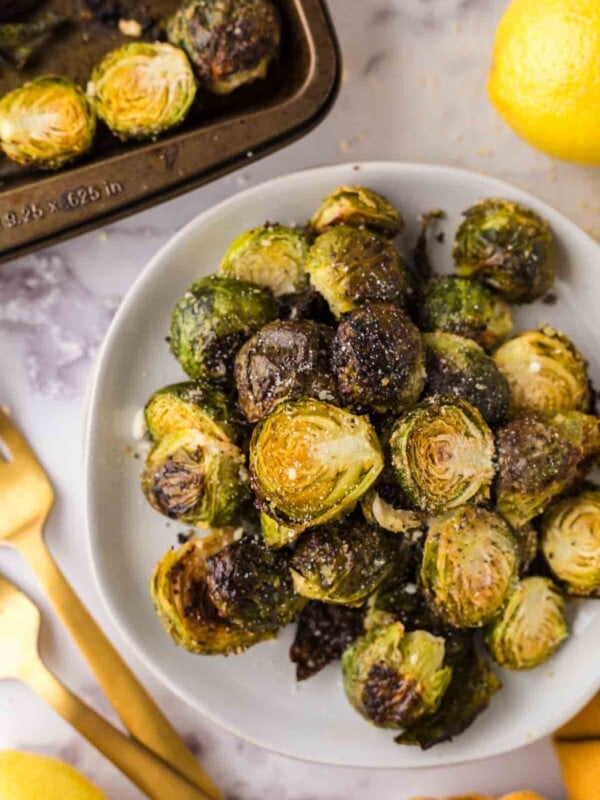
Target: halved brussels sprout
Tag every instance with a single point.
(571, 542)
(342, 564)
(352, 266)
(47, 122)
(311, 462)
(507, 246)
(271, 256)
(393, 678)
(275, 534)
(229, 42)
(540, 458)
(470, 566)
(142, 89)
(467, 308)
(532, 626)
(443, 454)
(213, 319)
(181, 599)
(378, 511)
(358, 206)
(284, 361)
(545, 371)
(379, 359)
(458, 366)
(196, 478)
(191, 404)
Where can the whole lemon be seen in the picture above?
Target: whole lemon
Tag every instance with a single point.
(545, 79)
(26, 776)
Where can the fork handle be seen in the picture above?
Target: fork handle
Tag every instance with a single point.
(155, 778)
(138, 711)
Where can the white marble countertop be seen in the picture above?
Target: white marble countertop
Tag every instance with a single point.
(414, 90)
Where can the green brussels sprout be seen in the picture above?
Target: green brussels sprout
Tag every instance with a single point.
(271, 256)
(532, 626)
(540, 458)
(458, 366)
(507, 246)
(180, 597)
(142, 89)
(470, 566)
(467, 308)
(276, 535)
(230, 42)
(212, 320)
(311, 462)
(47, 123)
(358, 206)
(443, 454)
(393, 678)
(545, 372)
(352, 266)
(284, 361)
(379, 359)
(195, 478)
(342, 564)
(571, 542)
(191, 404)
(378, 511)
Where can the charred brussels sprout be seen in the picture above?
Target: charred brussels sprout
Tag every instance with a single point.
(379, 359)
(393, 678)
(507, 246)
(275, 534)
(378, 511)
(532, 626)
(211, 322)
(539, 459)
(284, 361)
(571, 542)
(311, 462)
(47, 122)
(341, 565)
(442, 454)
(229, 42)
(358, 206)
(470, 566)
(458, 366)
(142, 89)
(271, 256)
(467, 308)
(351, 266)
(545, 371)
(195, 478)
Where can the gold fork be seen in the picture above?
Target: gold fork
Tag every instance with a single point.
(19, 659)
(26, 498)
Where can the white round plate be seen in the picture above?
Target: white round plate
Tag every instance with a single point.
(255, 695)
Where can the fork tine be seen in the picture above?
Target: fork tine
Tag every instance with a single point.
(14, 441)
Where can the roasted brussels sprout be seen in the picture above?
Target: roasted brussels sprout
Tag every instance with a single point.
(342, 564)
(545, 371)
(212, 320)
(142, 89)
(181, 599)
(271, 256)
(571, 542)
(467, 308)
(540, 458)
(229, 42)
(275, 534)
(352, 266)
(379, 359)
(532, 626)
(458, 366)
(195, 478)
(311, 462)
(378, 511)
(47, 122)
(442, 454)
(359, 207)
(507, 246)
(393, 678)
(22, 41)
(284, 361)
(470, 566)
